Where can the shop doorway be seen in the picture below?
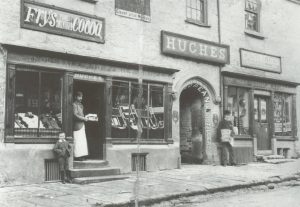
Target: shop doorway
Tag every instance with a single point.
(262, 122)
(93, 102)
(191, 126)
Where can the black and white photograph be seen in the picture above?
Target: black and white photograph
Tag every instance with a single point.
(149, 103)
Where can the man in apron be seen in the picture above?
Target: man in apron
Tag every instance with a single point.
(80, 142)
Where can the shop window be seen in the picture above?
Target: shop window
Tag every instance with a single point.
(132, 105)
(196, 11)
(252, 15)
(38, 106)
(282, 114)
(238, 105)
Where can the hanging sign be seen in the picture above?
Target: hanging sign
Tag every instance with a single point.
(193, 48)
(56, 20)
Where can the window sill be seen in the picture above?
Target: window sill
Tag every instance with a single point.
(197, 23)
(34, 140)
(142, 141)
(285, 138)
(91, 1)
(254, 34)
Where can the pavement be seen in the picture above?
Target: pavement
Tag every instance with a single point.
(151, 187)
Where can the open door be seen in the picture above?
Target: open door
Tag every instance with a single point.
(262, 122)
(93, 102)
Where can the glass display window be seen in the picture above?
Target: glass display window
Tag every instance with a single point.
(38, 104)
(238, 105)
(282, 104)
(143, 104)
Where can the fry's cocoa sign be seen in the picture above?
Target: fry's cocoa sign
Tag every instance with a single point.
(193, 48)
(55, 20)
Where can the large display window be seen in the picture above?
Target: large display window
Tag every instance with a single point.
(282, 104)
(37, 104)
(238, 105)
(133, 104)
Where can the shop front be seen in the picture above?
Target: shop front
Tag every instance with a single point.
(264, 114)
(196, 108)
(40, 86)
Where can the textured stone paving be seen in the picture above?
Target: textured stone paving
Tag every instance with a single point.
(152, 185)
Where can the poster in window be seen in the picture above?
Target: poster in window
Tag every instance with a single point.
(135, 9)
(263, 110)
(255, 109)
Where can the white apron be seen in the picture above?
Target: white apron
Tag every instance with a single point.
(80, 143)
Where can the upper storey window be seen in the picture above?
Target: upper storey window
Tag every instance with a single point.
(196, 11)
(135, 9)
(252, 16)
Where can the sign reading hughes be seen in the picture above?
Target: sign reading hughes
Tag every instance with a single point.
(193, 48)
(51, 19)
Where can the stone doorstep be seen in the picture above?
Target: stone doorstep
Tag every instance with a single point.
(92, 172)
(98, 179)
(90, 164)
(151, 201)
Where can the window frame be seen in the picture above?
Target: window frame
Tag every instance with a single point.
(165, 135)
(292, 118)
(10, 137)
(205, 13)
(257, 13)
(237, 91)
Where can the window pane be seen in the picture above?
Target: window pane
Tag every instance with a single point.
(120, 109)
(238, 105)
(156, 110)
(282, 114)
(51, 105)
(251, 5)
(195, 10)
(26, 104)
(251, 21)
(243, 108)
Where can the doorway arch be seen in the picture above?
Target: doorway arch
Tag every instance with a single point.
(195, 102)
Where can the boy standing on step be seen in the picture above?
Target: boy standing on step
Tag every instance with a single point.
(62, 150)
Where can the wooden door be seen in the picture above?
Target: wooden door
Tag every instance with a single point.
(262, 122)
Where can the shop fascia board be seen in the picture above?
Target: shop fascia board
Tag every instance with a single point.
(254, 76)
(91, 59)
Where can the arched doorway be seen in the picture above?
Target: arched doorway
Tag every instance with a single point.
(191, 126)
(195, 121)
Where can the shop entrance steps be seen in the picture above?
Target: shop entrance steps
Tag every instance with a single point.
(94, 171)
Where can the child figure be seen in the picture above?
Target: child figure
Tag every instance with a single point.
(62, 150)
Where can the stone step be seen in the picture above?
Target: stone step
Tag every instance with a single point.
(89, 164)
(98, 179)
(92, 172)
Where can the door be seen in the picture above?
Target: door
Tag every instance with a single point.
(93, 102)
(262, 122)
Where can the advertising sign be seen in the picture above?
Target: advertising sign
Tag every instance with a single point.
(193, 48)
(60, 21)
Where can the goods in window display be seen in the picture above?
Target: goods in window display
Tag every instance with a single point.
(117, 119)
(130, 116)
(27, 120)
(50, 122)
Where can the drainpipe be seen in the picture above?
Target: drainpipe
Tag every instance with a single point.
(220, 67)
